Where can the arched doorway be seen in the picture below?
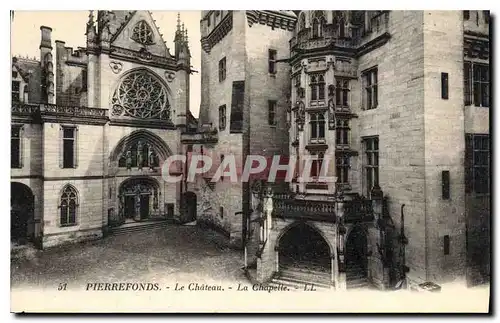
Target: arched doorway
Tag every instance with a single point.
(139, 199)
(356, 257)
(302, 246)
(190, 206)
(22, 203)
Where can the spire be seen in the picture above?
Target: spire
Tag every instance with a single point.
(178, 21)
(182, 32)
(186, 36)
(91, 18)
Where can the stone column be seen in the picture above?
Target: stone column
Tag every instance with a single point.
(379, 262)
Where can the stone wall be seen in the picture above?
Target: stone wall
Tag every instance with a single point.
(444, 145)
(398, 121)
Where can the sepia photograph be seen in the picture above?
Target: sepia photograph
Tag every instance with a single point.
(246, 161)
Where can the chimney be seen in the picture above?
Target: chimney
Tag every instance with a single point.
(45, 42)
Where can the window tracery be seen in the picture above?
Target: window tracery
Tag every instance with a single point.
(68, 206)
(142, 33)
(318, 24)
(141, 95)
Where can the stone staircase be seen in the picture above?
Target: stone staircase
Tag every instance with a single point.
(296, 278)
(356, 277)
(138, 227)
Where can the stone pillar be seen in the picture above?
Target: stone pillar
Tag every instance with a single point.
(378, 264)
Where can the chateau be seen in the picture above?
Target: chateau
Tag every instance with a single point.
(394, 104)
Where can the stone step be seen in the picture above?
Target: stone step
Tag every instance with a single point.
(298, 283)
(306, 278)
(357, 285)
(138, 228)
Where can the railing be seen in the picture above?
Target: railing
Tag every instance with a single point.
(354, 38)
(287, 207)
(72, 110)
(29, 109)
(358, 209)
(210, 136)
(19, 108)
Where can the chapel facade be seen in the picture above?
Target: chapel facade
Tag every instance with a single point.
(92, 126)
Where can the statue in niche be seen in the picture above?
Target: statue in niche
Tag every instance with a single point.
(121, 206)
(155, 200)
(140, 157)
(331, 114)
(151, 157)
(331, 90)
(128, 160)
(302, 112)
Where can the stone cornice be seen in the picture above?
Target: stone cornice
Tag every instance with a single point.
(273, 19)
(373, 44)
(218, 33)
(146, 123)
(143, 57)
(75, 63)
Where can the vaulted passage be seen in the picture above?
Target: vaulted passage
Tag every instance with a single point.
(356, 258)
(304, 247)
(22, 204)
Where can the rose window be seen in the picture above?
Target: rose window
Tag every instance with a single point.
(141, 95)
(142, 33)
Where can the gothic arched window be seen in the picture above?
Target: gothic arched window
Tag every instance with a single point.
(142, 33)
(68, 206)
(317, 87)
(317, 124)
(342, 28)
(141, 95)
(318, 24)
(302, 21)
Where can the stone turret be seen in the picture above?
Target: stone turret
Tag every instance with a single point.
(183, 58)
(92, 61)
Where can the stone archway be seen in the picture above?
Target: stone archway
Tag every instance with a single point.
(22, 203)
(304, 247)
(356, 251)
(138, 199)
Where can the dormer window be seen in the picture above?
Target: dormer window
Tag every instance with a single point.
(142, 33)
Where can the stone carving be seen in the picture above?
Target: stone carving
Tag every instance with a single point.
(301, 115)
(128, 160)
(116, 67)
(170, 76)
(155, 200)
(331, 114)
(151, 157)
(140, 157)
